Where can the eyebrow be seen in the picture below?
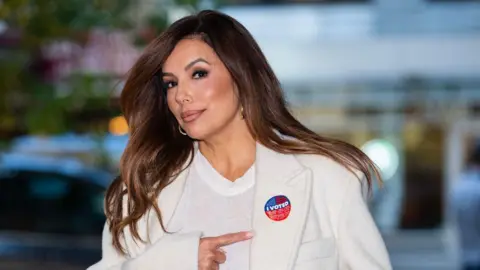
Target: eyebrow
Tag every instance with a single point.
(188, 66)
(196, 61)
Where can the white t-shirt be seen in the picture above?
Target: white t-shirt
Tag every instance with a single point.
(215, 206)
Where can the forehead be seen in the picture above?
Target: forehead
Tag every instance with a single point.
(186, 51)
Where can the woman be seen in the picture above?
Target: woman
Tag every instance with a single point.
(218, 174)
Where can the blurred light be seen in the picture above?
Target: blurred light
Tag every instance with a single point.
(384, 155)
(118, 126)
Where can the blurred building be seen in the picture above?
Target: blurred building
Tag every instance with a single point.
(399, 78)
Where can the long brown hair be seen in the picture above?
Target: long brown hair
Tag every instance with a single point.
(157, 152)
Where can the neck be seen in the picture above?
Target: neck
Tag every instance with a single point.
(232, 153)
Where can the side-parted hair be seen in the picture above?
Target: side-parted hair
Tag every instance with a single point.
(156, 152)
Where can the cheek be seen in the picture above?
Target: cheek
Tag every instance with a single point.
(172, 104)
(217, 93)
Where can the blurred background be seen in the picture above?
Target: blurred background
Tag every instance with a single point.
(398, 78)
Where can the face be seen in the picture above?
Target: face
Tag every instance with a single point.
(200, 91)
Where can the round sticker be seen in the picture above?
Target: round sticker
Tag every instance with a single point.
(278, 208)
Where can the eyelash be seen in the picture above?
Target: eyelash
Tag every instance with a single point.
(200, 73)
(197, 74)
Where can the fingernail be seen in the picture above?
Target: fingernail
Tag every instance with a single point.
(223, 251)
(250, 234)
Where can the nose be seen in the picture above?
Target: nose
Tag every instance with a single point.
(183, 94)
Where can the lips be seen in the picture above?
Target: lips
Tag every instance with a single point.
(190, 116)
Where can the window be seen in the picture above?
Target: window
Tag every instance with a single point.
(50, 203)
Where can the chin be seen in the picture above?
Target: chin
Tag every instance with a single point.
(200, 133)
(196, 133)
(196, 137)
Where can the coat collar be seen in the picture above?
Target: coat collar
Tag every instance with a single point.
(276, 242)
(272, 169)
(274, 166)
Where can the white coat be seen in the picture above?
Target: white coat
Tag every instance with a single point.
(329, 226)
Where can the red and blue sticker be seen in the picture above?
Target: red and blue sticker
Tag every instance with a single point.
(278, 208)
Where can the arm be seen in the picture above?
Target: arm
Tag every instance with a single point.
(360, 243)
(172, 251)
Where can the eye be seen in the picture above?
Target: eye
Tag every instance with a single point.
(168, 84)
(199, 74)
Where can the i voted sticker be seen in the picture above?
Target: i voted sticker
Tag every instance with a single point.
(278, 208)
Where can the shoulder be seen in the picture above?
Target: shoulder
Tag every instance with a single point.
(335, 180)
(331, 174)
(333, 183)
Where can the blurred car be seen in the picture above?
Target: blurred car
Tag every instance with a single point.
(70, 143)
(51, 212)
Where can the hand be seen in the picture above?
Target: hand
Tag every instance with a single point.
(210, 256)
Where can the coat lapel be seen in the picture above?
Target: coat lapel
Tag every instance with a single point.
(150, 228)
(276, 242)
(168, 201)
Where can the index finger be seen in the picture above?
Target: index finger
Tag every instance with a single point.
(231, 238)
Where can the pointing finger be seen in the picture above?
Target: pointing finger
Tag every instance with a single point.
(231, 238)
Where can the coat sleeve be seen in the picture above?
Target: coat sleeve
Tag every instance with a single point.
(360, 243)
(172, 251)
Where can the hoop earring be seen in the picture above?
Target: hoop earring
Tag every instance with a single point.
(242, 113)
(181, 130)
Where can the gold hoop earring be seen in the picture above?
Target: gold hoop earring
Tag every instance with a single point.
(181, 130)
